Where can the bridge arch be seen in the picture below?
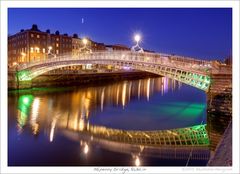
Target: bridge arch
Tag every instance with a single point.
(186, 70)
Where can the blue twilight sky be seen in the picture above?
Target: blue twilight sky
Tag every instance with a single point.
(201, 32)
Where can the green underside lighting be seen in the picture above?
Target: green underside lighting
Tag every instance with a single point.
(192, 110)
(182, 109)
(23, 75)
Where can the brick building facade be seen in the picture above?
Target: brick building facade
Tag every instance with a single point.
(35, 45)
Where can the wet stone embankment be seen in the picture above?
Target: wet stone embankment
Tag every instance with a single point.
(219, 119)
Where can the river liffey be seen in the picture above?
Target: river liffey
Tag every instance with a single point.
(60, 126)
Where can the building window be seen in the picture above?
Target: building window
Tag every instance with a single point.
(56, 44)
(38, 36)
(37, 49)
(57, 52)
(31, 49)
(32, 35)
(43, 50)
(57, 39)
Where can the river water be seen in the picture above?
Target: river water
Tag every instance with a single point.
(44, 123)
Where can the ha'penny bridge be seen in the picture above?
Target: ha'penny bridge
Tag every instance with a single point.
(194, 72)
(190, 71)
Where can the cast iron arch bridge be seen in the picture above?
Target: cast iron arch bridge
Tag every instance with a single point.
(190, 71)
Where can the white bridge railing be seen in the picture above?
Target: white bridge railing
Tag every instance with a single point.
(150, 58)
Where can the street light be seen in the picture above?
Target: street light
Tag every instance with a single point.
(137, 48)
(85, 42)
(49, 49)
(49, 52)
(137, 38)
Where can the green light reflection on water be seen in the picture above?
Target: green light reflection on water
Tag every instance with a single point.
(24, 104)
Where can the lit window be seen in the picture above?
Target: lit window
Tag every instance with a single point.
(57, 52)
(56, 44)
(57, 39)
(32, 35)
(43, 50)
(38, 36)
(31, 49)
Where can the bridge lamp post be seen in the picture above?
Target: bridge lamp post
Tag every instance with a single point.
(137, 38)
(85, 42)
(50, 51)
(137, 48)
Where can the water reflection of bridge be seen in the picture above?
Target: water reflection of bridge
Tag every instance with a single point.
(183, 143)
(190, 136)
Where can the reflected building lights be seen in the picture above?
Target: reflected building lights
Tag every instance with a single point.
(81, 124)
(174, 85)
(124, 94)
(75, 122)
(117, 95)
(129, 91)
(139, 88)
(34, 116)
(102, 98)
(148, 89)
(53, 125)
(86, 148)
(137, 161)
(165, 85)
(86, 106)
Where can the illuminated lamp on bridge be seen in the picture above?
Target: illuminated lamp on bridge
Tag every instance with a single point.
(85, 43)
(136, 47)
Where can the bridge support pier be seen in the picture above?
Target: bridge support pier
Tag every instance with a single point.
(219, 107)
(25, 84)
(19, 84)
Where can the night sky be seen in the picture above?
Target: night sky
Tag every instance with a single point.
(201, 33)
